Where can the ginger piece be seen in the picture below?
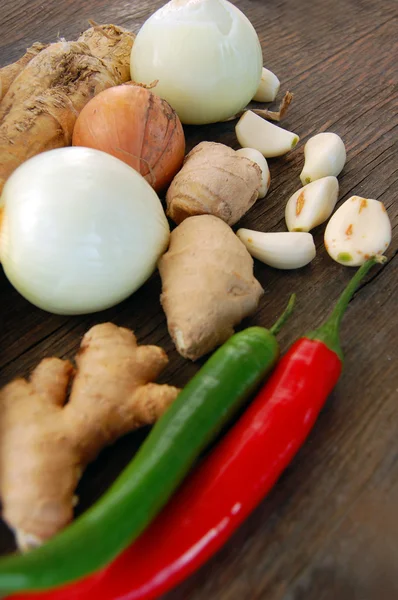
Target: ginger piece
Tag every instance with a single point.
(45, 443)
(208, 285)
(10, 72)
(214, 180)
(39, 111)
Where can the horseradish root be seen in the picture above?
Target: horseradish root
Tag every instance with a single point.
(208, 285)
(112, 45)
(40, 109)
(214, 180)
(324, 155)
(312, 205)
(45, 443)
(10, 72)
(281, 250)
(358, 230)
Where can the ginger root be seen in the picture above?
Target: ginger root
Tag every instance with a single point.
(45, 443)
(214, 180)
(40, 108)
(208, 285)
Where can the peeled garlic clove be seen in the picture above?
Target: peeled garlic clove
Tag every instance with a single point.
(253, 131)
(312, 205)
(324, 155)
(359, 229)
(268, 88)
(282, 250)
(258, 158)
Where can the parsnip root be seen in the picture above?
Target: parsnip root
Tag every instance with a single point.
(45, 443)
(208, 285)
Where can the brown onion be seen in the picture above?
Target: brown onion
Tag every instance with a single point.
(136, 126)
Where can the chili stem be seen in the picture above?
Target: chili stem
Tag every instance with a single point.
(275, 329)
(328, 333)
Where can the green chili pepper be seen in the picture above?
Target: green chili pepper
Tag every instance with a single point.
(212, 396)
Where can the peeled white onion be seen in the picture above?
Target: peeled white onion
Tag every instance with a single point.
(205, 55)
(81, 230)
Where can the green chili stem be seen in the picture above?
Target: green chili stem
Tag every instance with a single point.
(328, 333)
(275, 329)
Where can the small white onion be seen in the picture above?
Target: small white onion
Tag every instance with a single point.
(81, 230)
(206, 56)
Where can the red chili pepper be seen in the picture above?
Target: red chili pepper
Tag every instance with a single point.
(234, 478)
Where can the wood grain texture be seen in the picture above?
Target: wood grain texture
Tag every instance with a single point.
(329, 529)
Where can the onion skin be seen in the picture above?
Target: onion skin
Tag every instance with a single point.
(136, 126)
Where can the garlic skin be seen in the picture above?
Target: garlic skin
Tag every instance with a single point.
(312, 204)
(268, 88)
(253, 131)
(359, 229)
(324, 155)
(258, 158)
(281, 250)
(206, 56)
(81, 230)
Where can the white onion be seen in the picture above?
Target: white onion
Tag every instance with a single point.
(206, 56)
(81, 230)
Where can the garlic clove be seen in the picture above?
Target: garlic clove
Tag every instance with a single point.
(359, 229)
(258, 158)
(281, 250)
(268, 88)
(324, 155)
(253, 131)
(312, 204)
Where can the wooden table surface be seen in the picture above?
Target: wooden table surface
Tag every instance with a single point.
(329, 529)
